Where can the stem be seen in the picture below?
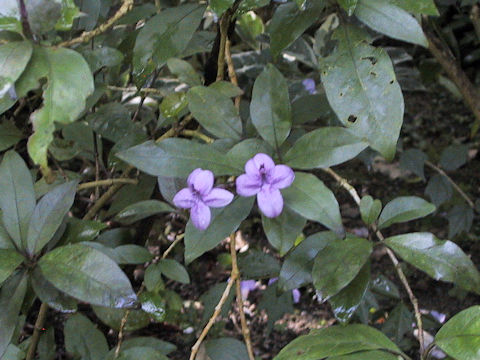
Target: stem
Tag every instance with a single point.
(199, 135)
(42, 315)
(224, 21)
(107, 182)
(134, 90)
(27, 31)
(475, 17)
(172, 245)
(238, 290)
(231, 70)
(418, 317)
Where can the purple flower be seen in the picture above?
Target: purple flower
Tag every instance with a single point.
(309, 85)
(246, 286)
(200, 195)
(265, 179)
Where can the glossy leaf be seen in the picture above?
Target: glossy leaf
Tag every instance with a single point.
(350, 255)
(153, 304)
(49, 294)
(184, 71)
(9, 261)
(111, 317)
(290, 21)
(142, 210)
(442, 260)
(391, 21)
(367, 355)
(224, 221)
(83, 339)
(226, 88)
(17, 198)
(14, 58)
(174, 270)
(370, 209)
(177, 158)
(102, 57)
(297, 268)
(132, 254)
(270, 107)
(5, 241)
(460, 336)
(132, 193)
(404, 208)
(88, 275)
(323, 148)
(226, 349)
(426, 7)
(215, 112)
(309, 197)
(348, 5)
(334, 341)
(9, 135)
(247, 149)
(162, 346)
(82, 230)
(362, 89)
(439, 189)
(48, 215)
(282, 231)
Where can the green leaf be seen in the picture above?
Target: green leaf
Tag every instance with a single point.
(275, 305)
(139, 352)
(10, 16)
(174, 270)
(270, 107)
(132, 254)
(361, 87)
(46, 345)
(153, 304)
(439, 189)
(323, 148)
(258, 264)
(249, 26)
(399, 323)
(162, 346)
(184, 71)
(69, 13)
(309, 197)
(349, 255)
(311, 107)
(14, 57)
(17, 197)
(83, 339)
(82, 230)
(224, 221)
(282, 231)
(426, 7)
(5, 241)
(245, 150)
(173, 105)
(297, 269)
(9, 261)
(88, 275)
(90, 12)
(334, 341)
(48, 215)
(12, 294)
(137, 319)
(460, 218)
(454, 157)
(153, 278)
(215, 112)
(69, 83)
(226, 349)
(132, 193)
(346, 302)
(414, 161)
(9, 135)
(383, 286)
(370, 209)
(178, 158)
(102, 57)
(142, 210)
(390, 20)
(164, 36)
(49, 294)
(403, 209)
(226, 88)
(442, 260)
(460, 336)
(348, 5)
(210, 299)
(290, 21)
(43, 15)
(367, 355)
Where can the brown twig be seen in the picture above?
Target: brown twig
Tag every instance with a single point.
(42, 315)
(231, 70)
(86, 36)
(27, 31)
(418, 317)
(475, 18)
(107, 182)
(134, 90)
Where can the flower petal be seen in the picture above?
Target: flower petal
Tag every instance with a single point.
(281, 177)
(270, 201)
(218, 198)
(248, 185)
(200, 215)
(296, 296)
(309, 85)
(252, 167)
(184, 199)
(201, 181)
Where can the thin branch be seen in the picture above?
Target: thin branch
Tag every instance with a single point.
(231, 70)
(107, 182)
(450, 180)
(238, 290)
(27, 31)
(418, 317)
(42, 315)
(178, 238)
(134, 90)
(224, 22)
(198, 135)
(127, 5)
(475, 18)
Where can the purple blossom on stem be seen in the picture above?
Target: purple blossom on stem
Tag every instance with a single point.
(246, 286)
(265, 179)
(309, 85)
(200, 196)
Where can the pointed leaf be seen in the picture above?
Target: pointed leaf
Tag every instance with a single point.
(111, 317)
(367, 355)
(426, 7)
(398, 324)
(132, 254)
(282, 231)
(49, 294)
(370, 209)
(348, 5)
(439, 189)
(142, 210)
(9, 135)
(174, 270)
(14, 57)
(226, 349)
(414, 161)
(403, 209)
(83, 339)
(9, 261)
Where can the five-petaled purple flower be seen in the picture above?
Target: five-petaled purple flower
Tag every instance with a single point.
(200, 195)
(265, 179)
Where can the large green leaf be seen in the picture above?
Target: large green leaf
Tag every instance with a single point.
(297, 269)
(48, 215)
(9, 135)
(137, 319)
(69, 83)
(9, 261)
(139, 352)
(178, 158)
(362, 89)
(163, 346)
(5, 241)
(442, 260)
(50, 295)
(164, 36)
(282, 231)
(10, 16)
(224, 221)
(390, 20)
(426, 7)
(270, 107)
(324, 147)
(348, 5)
(290, 21)
(83, 339)
(14, 57)
(142, 210)
(404, 208)
(88, 275)
(215, 112)
(17, 197)
(226, 349)
(460, 336)
(11, 299)
(309, 197)
(335, 341)
(367, 355)
(338, 263)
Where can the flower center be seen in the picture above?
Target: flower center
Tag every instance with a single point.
(263, 173)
